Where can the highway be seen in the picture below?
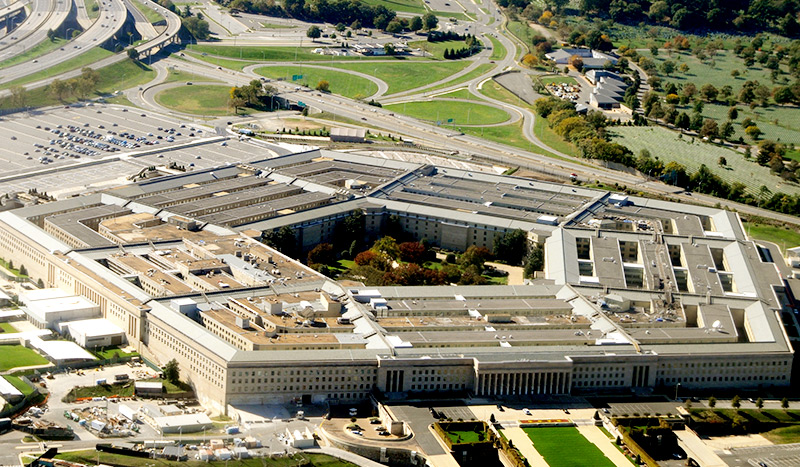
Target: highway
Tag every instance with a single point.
(44, 15)
(164, 38)
(143, 26)
(112, 17)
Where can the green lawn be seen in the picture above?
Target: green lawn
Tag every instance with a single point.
(36, 51)
(507, 134)
(437, 48)
(409, 75)
(341, 82)
(92, 457)
(104, 390)
(223, 62)
(480, 70)
(271, 54)
(205, 99)
(277, 26)
(716, 71)
(19, 384)
(109, 352)
(540, 127)
(691, 152)
(177, 76)
(557, 80)
(521, 31)
(152, 15)
(565, 446)
(787, 236)
(92, 8)
(462, 113)
(85, 59)
(13, 270)
(778, 123)
(15, 356)
(411, 6)
(457, 437)
(498, 51)
(783, 435)
(462, 93)
(7, 327)
(123, 75)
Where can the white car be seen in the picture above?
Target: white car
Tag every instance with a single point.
(526, 411)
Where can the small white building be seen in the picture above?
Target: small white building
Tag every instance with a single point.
(186, 423)
(61, 352)
(48, 312)
(300, 439)
(91, 333)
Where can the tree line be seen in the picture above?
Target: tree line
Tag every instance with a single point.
(336, 11)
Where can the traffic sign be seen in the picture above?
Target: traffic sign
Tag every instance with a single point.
(449, 120)
(296, 77)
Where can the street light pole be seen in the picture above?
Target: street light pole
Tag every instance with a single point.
(676, 390)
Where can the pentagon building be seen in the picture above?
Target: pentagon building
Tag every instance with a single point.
(635, 292)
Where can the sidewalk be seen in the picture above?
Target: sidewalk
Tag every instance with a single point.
(525, 446)
(599, 439)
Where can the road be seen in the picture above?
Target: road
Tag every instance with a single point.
(143, 26)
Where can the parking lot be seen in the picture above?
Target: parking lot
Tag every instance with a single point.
(68, 150)
(786, 455)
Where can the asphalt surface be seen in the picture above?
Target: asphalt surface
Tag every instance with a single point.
(44, 15)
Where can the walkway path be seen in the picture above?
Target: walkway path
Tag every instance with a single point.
(599, 439)
(525, 446)
(345, 455)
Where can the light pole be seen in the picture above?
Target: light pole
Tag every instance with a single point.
(676, 390)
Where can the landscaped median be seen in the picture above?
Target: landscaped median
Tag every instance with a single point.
(452, 112)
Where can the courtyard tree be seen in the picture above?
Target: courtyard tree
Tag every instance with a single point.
(712, 402)
(172, 371)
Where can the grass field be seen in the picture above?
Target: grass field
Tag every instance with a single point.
(470, 75)
(783, 435)
(273, 54)
(36, 51)
(175, 75)
(498, 51)
(716, 71)
(78, 62)
(341, 83)
(462, 93)
(437, 48)
(692, 152)
(92, 9)
(540, 127)
(278, 26)
(786, 236)
(149, 13)
(19, 384)
(205, 99)
(463, 436)
(7, 327)
(15, 356)
(411, 6)
(223, 62)
(108, 353)
(404, 76)
(462, 113)
(557, 80)
(92, 457)
(521, 31)
(566, 447)
(507, 134)
(778, 123)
